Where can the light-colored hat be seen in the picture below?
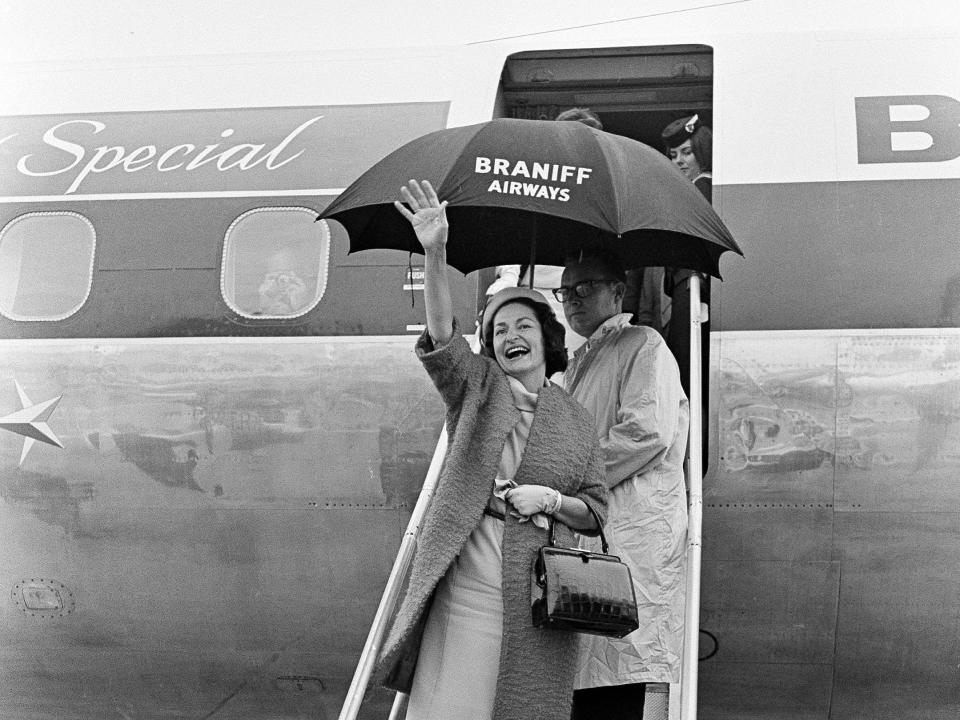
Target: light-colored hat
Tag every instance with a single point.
(508, 295)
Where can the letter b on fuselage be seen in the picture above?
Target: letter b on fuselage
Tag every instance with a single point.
(886, 122)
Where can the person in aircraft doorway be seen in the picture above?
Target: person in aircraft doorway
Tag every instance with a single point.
(689, 145)
(628, 380)
(547, 277)
(521, 453)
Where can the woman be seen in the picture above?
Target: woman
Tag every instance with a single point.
(520, 451)
(689, 144)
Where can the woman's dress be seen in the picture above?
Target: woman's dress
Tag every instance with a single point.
(456, 675)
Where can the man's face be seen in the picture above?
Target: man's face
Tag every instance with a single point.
(586, 314)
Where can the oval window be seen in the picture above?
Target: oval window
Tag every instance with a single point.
(275, 262)
(46, 265)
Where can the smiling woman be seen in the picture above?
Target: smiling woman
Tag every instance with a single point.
(518, 344)
(467, 603)
(507, 335)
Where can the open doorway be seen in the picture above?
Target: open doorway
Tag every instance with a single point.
(636, 92)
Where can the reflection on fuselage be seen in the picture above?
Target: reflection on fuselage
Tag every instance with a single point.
(234, 501)
(829, 514)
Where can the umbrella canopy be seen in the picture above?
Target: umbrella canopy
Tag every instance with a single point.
(513, 186)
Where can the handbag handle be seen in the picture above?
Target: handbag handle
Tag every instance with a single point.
(603, 538)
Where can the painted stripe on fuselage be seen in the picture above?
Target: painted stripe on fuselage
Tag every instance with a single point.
(840, 255)
(172, 195)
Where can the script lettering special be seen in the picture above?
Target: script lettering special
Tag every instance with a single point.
(186, 156)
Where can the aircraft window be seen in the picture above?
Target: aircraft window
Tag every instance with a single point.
(46, 265)
(275, 262)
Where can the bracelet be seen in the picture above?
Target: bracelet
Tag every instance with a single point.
(556, 505)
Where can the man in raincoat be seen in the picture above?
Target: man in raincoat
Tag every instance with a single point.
(627, 378)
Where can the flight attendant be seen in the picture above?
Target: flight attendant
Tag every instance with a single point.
(689, 144)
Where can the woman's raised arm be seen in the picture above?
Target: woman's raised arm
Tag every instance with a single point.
(428, 217)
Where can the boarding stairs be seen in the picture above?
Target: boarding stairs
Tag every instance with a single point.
(676, 701)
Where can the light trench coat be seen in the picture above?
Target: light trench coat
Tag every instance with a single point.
(627, 378)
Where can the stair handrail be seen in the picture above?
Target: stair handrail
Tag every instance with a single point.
(391, 593)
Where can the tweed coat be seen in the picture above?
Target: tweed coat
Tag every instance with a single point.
(535, 677)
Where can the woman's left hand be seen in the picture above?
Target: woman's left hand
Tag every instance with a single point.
(530, 499)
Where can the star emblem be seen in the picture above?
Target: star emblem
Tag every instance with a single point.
(30, 421)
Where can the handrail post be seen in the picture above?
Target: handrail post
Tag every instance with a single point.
(399, 709)
(691, 648)
(391, 593)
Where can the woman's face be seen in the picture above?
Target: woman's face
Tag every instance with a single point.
(682, 156)
(518, 344)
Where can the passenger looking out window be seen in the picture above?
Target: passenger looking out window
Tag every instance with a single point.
(282, 292)
(275, 262)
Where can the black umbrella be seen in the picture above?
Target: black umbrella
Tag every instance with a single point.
(539, 191)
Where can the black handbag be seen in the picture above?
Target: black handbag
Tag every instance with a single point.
(582, 591)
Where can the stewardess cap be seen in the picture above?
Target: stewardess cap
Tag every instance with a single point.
(679, 131)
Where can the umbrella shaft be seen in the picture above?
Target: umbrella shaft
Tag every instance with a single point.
(533, 250)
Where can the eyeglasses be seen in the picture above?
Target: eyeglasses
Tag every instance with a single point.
(582, 289)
